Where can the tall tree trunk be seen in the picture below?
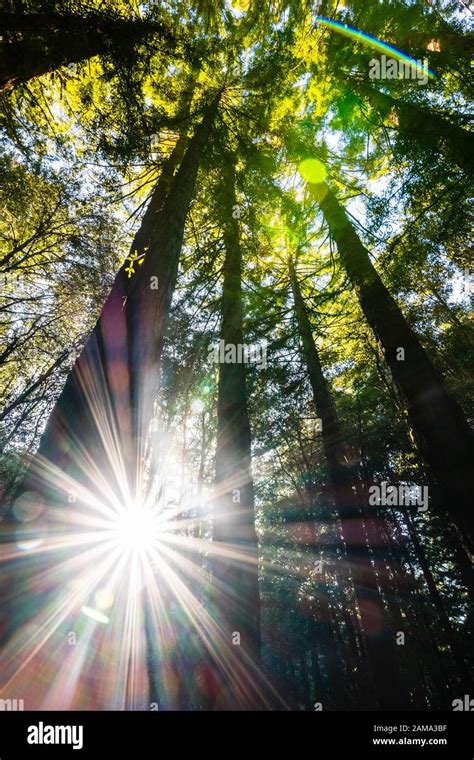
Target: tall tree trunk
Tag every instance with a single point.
(94, 441)
(35, 44)
(124, 349)
(442, 432)
(426, 127)
(379, 639)
(234, 509)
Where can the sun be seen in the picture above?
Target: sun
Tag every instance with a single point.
(136, 529)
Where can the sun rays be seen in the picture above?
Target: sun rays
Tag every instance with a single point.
(107, 585)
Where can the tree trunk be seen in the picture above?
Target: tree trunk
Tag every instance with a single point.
(120, 359)
(94, 443)
(35, 44)
(379, 639)
(426, 127)
(442, 432)
(234, 510)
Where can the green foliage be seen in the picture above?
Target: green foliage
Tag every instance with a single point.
(81, 151)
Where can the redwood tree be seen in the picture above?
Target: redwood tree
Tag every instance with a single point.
(234, 505)
(440, 427)
(37, 43)
(375, 624)
(96, 435)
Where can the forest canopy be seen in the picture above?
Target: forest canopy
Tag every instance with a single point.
(236, 386)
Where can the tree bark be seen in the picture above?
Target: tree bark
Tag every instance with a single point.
(35, 44)
(94, 441)
(234, 508)
(119, 363)
(379, 639)
(440, 428)
(426, 127)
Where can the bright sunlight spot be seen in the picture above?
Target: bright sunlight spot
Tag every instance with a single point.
(312, 170)
(136, 529)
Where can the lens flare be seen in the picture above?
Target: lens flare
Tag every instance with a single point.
(312, 171)
(373, 42)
